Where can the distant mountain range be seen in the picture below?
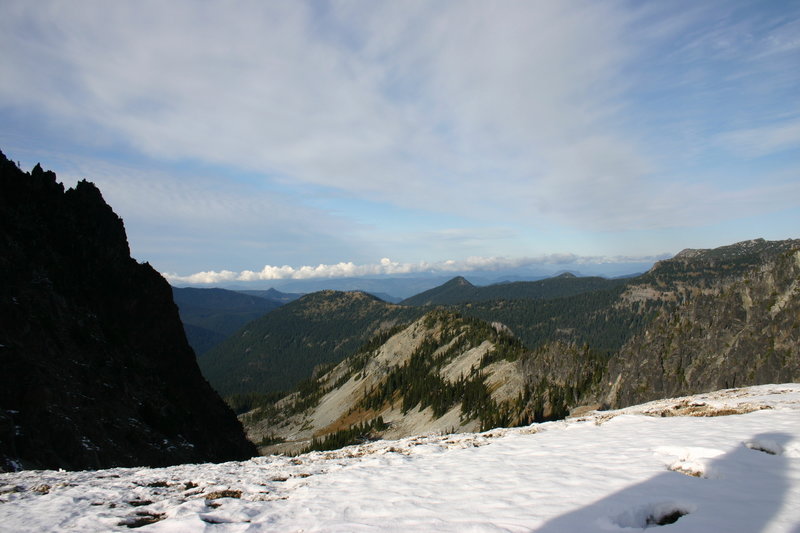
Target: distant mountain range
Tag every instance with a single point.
(263, 347)
(273, 295)
(459, 290)
(399, 287)
(704, 320)
(390, 289)
(210, 316)
(565, 308)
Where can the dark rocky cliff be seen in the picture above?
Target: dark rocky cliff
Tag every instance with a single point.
(96, 370)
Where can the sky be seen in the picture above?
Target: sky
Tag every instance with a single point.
(255, 141)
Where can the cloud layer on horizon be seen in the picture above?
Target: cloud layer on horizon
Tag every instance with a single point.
(387, 267)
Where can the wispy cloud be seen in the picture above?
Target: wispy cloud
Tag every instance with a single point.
(764, 140)
(178, 218)
(419, 105)
(520, 116)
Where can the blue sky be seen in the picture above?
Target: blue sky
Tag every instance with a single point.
(267, 140)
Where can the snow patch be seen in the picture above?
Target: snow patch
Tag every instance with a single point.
(567, 476)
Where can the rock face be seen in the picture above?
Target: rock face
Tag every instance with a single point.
(96, 370)
(724, 332)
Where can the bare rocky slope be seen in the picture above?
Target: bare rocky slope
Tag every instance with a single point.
(442, 372)
(96, 370)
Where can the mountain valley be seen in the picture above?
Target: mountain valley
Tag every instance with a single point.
(210, 316)
(327, 369)
(704, 320)
(281, 348)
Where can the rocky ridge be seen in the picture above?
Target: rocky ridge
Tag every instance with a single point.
(440, 373)
(96, 368)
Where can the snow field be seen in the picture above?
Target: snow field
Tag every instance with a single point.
(621, 471)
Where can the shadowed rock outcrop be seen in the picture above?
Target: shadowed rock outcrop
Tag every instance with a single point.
(96, 370)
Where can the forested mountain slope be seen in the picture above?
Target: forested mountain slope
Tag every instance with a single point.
(280, 349)
(211, 315)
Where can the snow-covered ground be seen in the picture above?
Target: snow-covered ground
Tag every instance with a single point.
(691, 459)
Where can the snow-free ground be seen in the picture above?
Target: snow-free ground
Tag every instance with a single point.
(726, 461)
